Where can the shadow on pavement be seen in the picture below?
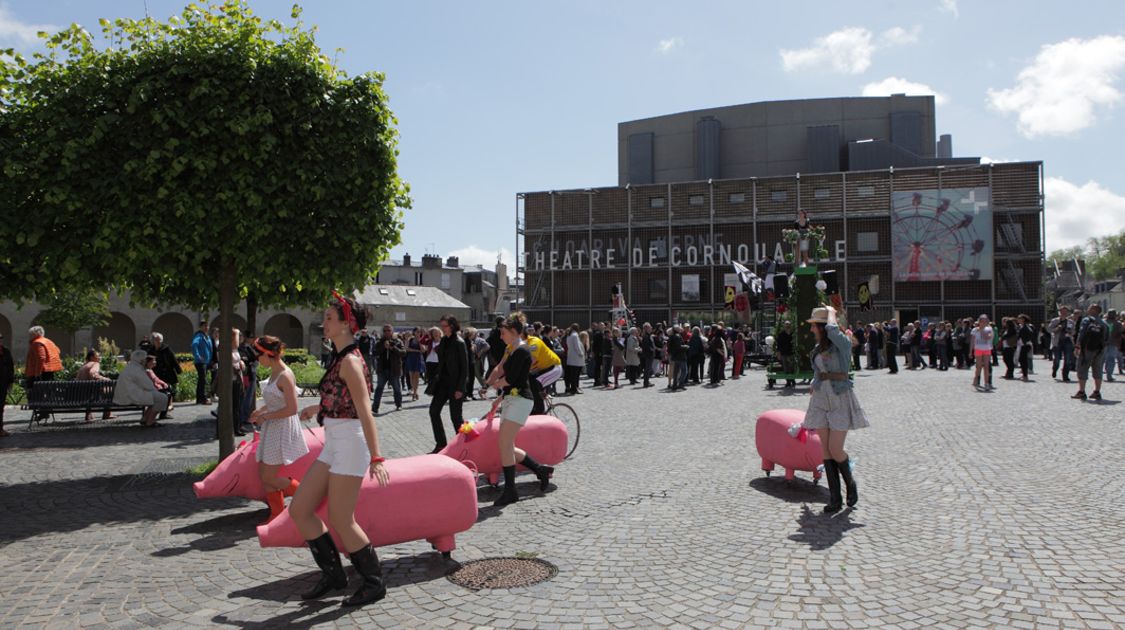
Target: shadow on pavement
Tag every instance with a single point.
(796, 491)
(221, 532)
(820, 531)
(528, 490)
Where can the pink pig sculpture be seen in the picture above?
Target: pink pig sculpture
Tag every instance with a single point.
(237, 475)
(544, 437)
(782, 440)
(428, 497)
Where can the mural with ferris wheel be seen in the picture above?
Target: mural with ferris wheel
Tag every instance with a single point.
(941, 235)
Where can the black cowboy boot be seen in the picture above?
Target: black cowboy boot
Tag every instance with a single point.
(332, 571)
(832, 473)
(846, 473)
(542, 472)
(372, 589)
(510, 495)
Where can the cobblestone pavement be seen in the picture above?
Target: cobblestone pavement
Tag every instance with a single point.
(977, 510)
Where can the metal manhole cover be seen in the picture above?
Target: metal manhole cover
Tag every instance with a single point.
(491, 573)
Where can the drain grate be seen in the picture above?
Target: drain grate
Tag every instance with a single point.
(492, 573)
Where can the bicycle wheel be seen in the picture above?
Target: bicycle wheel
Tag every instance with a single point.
(569, 418)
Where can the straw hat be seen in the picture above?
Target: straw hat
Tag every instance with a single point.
(819, 316)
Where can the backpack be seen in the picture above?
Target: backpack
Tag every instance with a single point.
(1093, 339)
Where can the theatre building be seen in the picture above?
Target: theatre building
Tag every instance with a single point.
(939, 237)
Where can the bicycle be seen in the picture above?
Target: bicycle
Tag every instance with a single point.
(569, 418)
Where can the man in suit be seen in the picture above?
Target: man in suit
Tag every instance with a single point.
(387, 354)
(648, 352)
(448, 385)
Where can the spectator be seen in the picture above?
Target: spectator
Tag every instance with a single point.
(597, 340)
(891, 338)
(860, 336)
(414, 360)
(7, 377)
(1092, 337)
(430, 345)
(575, 360)
(618, 345)
(480, 354)
(447, 383)
(678, 357)
(696, 353)
(136, 387)
(201, 352)
(784, 350)
(648, 352)
(1026, 342)
(982, 349)
(1009, 338)
(167, 367)
(739, 355)
(91, 370)
(388, 353)
(633, 355)
(44, 361)
(495, 347)
(249, 384)
(1113, 357)
(366, 345)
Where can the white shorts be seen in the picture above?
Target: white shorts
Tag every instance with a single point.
(550, 376)
(345, 449)
(515, 409)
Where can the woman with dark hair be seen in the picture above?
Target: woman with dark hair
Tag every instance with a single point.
(280, 441)
(1009, 338)
(451, 376)
(351, 450)
(515, 404)
(833, 407)
(1026, 342)
(414, 362)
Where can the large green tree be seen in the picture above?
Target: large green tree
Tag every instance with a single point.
(193, 161)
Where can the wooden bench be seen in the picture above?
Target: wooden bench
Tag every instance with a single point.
(46, 397)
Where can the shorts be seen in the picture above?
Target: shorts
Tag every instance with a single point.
(546, 377)
(1088, 359)
(515, 409)
(982, 353)
(345, 449)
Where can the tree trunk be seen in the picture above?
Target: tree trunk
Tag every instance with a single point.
(227, 287)
(251, 316)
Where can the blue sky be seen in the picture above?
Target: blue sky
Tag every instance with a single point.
(494, 98)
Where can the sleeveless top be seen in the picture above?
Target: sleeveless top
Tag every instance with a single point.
(335, 400)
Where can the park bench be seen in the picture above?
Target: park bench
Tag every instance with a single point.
(46, 397)
(309, 389)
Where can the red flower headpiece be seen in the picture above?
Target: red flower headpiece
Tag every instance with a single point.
(349, 316)
(263, 350)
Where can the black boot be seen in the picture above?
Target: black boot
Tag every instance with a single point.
(372, 589)
(846, 474)
(510, 495)
(832, 473)
(542, 472)
(332, 571)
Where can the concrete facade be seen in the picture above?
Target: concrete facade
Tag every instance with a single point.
(446, 275)
(406, 307)
(779, 138)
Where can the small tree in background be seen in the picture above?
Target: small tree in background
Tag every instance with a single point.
(72, 311)
(193, 161)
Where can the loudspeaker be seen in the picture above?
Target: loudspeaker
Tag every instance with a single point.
(781, 286)
(829, 277)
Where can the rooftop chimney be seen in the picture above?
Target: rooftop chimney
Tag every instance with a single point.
(429, 261)
(452, 261)
(406, 260)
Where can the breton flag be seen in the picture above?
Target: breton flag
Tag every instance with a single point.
(749, 278)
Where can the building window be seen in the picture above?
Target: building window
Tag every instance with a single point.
(384, 292)
(737, 198)
(657, 290)
(821, 193)
(865, 191)
(411, 292)
(867, 241)
(695, 200)
(445, 284)
(656, 202)
(778, 195)
(418, 278)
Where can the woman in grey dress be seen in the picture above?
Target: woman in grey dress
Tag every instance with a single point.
(833, 407)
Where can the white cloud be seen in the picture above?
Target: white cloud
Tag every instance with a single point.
(1061, 91)
(668, 45)
(846, 51)
(895, 85)
(1074, 214)
(12, 29)
(472, 255)
(950, 6)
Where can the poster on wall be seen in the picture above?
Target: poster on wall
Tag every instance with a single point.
(941, 235)
(689, 287)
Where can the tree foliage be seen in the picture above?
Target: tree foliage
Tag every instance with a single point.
(193, 161)
(74, 310)
(1104, 255)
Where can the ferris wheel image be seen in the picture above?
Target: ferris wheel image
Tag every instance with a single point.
(942, 235)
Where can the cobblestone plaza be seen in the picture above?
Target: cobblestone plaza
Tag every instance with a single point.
(977, 510)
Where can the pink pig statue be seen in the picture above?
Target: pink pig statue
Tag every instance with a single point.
(428, 497)
(544, 437)
(237, 475)
(781, 440)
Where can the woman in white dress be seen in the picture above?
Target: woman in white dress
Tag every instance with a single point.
(833, 408)
(280, 441)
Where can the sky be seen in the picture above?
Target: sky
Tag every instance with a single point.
(497, 98)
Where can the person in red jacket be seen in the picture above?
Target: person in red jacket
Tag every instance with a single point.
(43, 358)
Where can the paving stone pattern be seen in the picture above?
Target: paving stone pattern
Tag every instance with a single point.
(976, 510)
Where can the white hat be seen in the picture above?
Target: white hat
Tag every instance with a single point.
(819, 316)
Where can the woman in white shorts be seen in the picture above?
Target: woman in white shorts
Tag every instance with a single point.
(280, 441)
(351, 450)
(833, 407)
(515, 406)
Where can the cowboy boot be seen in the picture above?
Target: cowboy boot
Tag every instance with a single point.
(849, 482)
(332, 571)
(276, 501)
(510, 495)
(832, 473)
(542, 472)
(372, 589)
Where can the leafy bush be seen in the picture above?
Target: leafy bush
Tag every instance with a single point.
(308, 373)
(185, 357)
(185, 387)
(294, 356)
(16, 394)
